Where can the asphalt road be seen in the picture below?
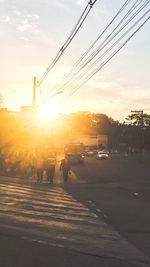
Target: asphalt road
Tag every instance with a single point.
(120, 188)
(100, 217)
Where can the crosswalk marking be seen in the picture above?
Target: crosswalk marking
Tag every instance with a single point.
(51, 215)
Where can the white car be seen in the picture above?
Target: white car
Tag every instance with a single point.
(102, 155)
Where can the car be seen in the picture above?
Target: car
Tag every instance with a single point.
(102, 155)
(90, 153)
(77, 158)
(74, 152)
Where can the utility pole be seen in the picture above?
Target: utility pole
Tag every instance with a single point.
(34, 92)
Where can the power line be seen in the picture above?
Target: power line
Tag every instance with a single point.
(109, 49)
(108, 39)
(77, 64)
(104, 43)
(100, 47)
(69, 39)
(108, 59)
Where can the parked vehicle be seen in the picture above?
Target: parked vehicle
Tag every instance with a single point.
(102, 155)
(75, 153)
(91, 151)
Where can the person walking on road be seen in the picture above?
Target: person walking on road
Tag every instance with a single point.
(39, 168)
(49, 166)
(65, 168)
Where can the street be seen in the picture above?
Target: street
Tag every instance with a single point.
(75, 133)
(120, 188)
(100, 216)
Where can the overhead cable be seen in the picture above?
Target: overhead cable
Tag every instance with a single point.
(109, 58)
(69, 39)
(107, 43)
(104, 43)
(77, 64)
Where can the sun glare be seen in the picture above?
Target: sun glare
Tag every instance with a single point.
(49, 112)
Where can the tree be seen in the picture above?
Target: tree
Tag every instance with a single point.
(139, 118)
(140, 129)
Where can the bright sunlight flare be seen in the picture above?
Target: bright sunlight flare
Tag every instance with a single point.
(49, 112)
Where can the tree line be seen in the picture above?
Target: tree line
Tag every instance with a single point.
(132, 135)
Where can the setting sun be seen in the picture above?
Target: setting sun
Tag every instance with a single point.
(49, 112)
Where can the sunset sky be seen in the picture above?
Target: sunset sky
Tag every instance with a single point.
(31, 34)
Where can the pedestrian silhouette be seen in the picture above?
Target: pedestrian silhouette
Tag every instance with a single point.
(49, 167)
(39, 164)
(65, 168)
